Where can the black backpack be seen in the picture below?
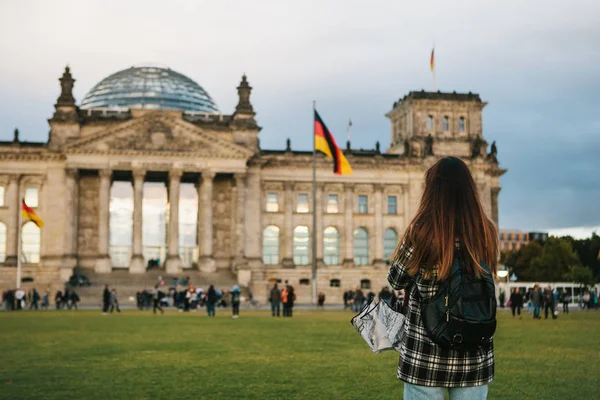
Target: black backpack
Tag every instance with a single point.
(462, 314)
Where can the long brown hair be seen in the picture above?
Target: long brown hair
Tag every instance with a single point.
(450, 212)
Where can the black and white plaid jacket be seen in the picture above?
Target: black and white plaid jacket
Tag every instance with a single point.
(423, 362)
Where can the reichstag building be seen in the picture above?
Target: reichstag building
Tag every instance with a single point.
(146, 170)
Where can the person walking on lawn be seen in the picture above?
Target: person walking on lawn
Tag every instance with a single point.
(450, 224)
(211, 301)
(516, 302)
(549, 302)
(106, 297)
(235, 301)
(114, 301)
(156, 298)
(565, 299)
(275, 298)
(537, 300)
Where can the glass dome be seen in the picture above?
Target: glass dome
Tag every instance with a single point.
(149, 87)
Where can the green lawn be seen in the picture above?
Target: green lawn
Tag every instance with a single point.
(315, 355)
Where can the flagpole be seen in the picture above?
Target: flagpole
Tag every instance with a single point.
(19, 223)
(314, 212)
(348, 129)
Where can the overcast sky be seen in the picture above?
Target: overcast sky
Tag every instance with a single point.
(536, 63)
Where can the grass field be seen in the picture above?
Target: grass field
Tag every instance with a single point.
(315, 355)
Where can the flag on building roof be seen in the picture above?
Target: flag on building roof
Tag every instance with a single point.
(29, 214)
(325, 143)
(432, 60)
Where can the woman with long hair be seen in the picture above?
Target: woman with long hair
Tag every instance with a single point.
(449, 223)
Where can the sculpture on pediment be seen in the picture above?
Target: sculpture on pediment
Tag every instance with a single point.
(493, 152)
(429, 145)
(476, 146)
(415, 149)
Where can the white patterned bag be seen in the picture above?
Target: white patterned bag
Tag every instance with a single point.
(380, 326)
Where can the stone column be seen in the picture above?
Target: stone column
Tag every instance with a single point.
(173, 264)
(70, 249)
(206, 262)
(378, 262)
(495, 193)
(348, 226)
(319, 228)
(103, 261)
(254, 203)
(14, 208)
(288, 226)
(137, 264)
(238, 221)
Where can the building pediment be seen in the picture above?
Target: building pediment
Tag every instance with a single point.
(159, 134)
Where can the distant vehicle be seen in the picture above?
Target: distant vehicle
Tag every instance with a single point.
(79, 280)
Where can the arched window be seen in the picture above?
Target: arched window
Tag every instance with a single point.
(430, 122)
(361, 247)
(2, 242)
(271, 245)
(331, 246)
(445, 123)
(30, 243)
(301, 245)
(461, 124)
(390, 240)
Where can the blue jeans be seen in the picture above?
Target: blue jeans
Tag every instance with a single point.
(275, 308)
(210, 309)
(414, 392)
(536, 311)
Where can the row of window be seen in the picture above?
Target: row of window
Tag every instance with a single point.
(445, 123)
(514, 236)
(331, 245)
(31, 196)
(30, 243)
(333, 203)
(511, 246)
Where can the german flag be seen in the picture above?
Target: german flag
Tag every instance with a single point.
(29, 214)
(325, 143)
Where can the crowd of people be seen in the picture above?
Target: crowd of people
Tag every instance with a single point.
(355, 300)
(535, 299)
(182, 295)
(19, 299)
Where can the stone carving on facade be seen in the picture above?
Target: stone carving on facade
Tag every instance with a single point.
(415, 149)
(272, 186)
(303, 187)
(476, 146)
(362, 188)
(159, 135)
(222, 218)
(429, 146)
(492, 156)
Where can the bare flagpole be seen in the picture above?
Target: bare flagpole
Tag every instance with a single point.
(314, 212)
(19, 223)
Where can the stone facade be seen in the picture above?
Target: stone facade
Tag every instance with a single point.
(88, 149)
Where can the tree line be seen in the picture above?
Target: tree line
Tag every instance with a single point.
(556, 259)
